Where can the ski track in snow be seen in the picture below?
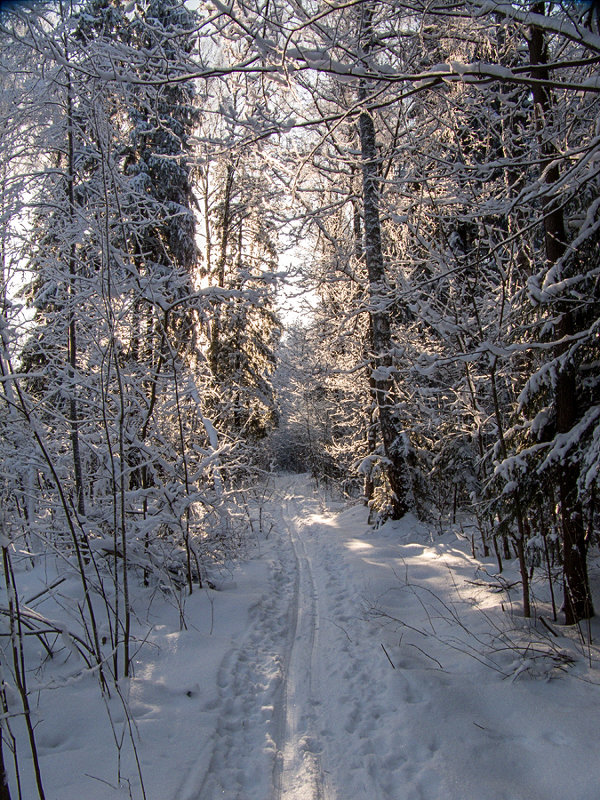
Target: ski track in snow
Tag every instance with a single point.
(302, 666)
(361, 762)
(298, 770)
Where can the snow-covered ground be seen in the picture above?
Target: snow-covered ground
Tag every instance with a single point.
(337, 663)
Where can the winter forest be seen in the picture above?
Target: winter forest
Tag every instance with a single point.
(299, 399)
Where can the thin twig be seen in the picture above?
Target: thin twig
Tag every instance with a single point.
(388, 656)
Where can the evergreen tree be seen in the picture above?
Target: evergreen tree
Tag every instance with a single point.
(244, 330)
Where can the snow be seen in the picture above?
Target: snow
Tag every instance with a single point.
(338, 661)
(550, 23)
(480, 68)
(211, 431)
(383, 373)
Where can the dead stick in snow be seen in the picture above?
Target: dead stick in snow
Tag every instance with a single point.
(388, 656)
(547, 625)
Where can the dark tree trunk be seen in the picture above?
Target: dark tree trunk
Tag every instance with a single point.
(72, 326)
(215, 332)
(371, 430)
(4, 789)
(577, 596)
(382, 384)
(520, 539)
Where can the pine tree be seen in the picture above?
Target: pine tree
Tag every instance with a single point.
(244, 329)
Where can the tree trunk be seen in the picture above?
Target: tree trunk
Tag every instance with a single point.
(72, 326)
(214, 354)
(393, 439)
(370, 424)
(521, 538)
(577, 596)
(4, 789)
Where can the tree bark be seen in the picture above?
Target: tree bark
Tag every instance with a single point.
(4, 788)
(520, 539)
(72, 324)
(577, 595)
(214, 355)
(382, 383)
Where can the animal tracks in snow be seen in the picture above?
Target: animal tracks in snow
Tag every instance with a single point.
(331, 748)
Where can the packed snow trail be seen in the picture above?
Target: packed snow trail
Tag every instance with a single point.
(300, 713)
(298, 771)
(333, 706)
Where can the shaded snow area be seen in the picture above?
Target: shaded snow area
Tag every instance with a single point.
(338, 662)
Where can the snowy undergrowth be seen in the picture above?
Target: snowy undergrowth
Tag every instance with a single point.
(425, 681)
(495, 705)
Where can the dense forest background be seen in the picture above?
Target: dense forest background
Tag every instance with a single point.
(427, 173)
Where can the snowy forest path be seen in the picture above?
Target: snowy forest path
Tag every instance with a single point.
(330, 706)
(298, 769)
(300, 709)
